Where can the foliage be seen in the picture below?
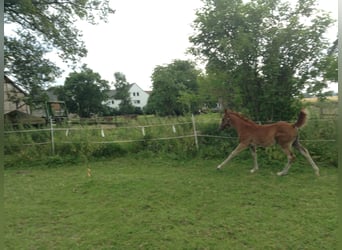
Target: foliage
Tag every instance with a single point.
(329, 68)
(216, 143)
(265, 51)
(109, 150)
(148, 134)
(25, 60)
(175, 89)
(330, 64)
(318, 129)
(84, 92)
(122, 94)
(161, 203)
(40, 27)
(214, 90)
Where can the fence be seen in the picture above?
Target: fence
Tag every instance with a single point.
(102, 134)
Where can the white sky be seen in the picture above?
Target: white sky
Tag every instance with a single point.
(144, 34)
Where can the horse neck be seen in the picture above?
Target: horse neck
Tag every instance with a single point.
(240, 123)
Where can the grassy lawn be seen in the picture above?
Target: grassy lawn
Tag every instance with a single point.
(158, 203)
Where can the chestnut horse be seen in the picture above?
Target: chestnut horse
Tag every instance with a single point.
(253, 135)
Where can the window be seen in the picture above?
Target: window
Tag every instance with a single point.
(137, 93)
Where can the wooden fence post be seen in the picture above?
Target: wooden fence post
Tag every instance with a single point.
(52, 137)
(195, 131)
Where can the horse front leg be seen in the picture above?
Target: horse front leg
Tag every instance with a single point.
(255, 159)
(237, 150)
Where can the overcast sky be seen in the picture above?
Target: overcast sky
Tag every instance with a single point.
(144, 34)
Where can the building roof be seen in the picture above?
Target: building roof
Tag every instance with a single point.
(111, 93)
(8, 80)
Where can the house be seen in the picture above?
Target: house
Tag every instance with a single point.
(138, 97)
(14, 97)
(16, 110)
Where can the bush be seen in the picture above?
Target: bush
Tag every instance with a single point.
(146, 134)
(109, 150)
(216, 143)
(319, 137)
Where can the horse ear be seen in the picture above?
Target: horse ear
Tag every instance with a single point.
(226, 111)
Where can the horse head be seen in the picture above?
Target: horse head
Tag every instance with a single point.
(225, 122)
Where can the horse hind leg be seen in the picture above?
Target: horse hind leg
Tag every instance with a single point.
(290, 159)
(255, 159)
(307, 155)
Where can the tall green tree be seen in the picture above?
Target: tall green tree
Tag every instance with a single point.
(84, 92)
(25, 60)
(43, 26)
(328, 73)
(267, 50)
(215, 90)
(330, 64)
(122, 93)
(175, 89)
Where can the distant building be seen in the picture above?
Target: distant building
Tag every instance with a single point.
(16, 110)
(14, 97)
(138, 96)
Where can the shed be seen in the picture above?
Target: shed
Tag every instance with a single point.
(14, 97)
(16, 118)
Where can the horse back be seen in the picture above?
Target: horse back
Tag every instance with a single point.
(267, 135)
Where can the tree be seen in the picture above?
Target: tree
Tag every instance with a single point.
(215, 89)
(84, 92)
(266, 50)
(122, 93)
(26, 61)
(175, 89)
(41, 27)
(327, 72)
(330, 64)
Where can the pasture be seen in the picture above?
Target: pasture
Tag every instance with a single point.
(159, 202)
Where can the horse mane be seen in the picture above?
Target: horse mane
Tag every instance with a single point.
(242, 117)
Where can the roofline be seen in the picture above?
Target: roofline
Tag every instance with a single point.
(8, 80)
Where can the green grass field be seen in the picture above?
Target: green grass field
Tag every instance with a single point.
(142, 202)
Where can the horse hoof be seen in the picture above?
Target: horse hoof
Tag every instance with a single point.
(281, 174)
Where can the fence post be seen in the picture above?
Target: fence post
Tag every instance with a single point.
(195, 131)
(52, 137)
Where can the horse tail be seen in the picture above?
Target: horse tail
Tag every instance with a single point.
(302, 117)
